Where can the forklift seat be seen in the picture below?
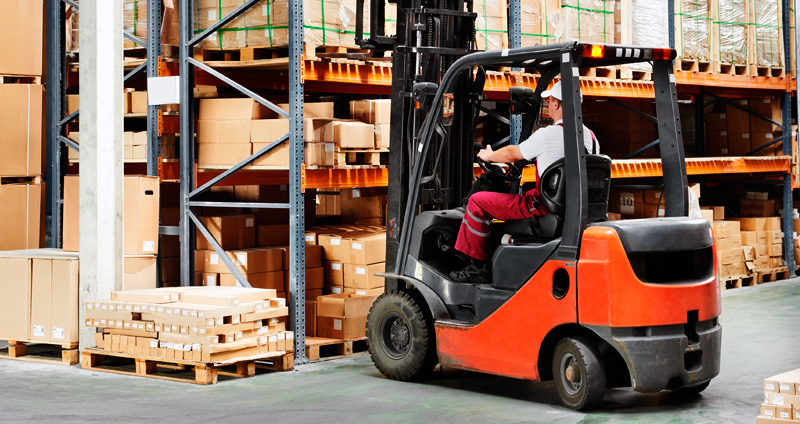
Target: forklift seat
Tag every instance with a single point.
(553, 197)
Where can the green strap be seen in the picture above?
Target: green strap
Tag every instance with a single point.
(135, 16)
(322, 7)
(485, 27)
(269, 23)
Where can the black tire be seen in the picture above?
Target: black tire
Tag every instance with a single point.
(400, 337)
(578, 373)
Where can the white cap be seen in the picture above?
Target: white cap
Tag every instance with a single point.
(555, 92)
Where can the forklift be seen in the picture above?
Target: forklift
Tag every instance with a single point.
(588, 303)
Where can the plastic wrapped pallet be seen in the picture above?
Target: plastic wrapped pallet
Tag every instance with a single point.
(348, 36)
(590, 21)
(729, 33)
(266, 24)
(536, 27)
(491, 28)
(648, 26)
(134, 22)
(768, 33)
(693, 26)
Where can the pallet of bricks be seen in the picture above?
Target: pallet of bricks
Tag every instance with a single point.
(781, 399)
(199, 329)
(22, 189)
(231, 129)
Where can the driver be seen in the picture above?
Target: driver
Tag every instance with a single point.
(545, 146)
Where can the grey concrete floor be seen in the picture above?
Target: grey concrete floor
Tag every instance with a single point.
(759, 340)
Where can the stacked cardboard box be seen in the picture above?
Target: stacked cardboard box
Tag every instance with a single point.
(730, 255)
(201, 324)
(758, 204)
(762, 238)
(781, 399)
(40, 296)
(767, 35)
(140, 227)
(22, 32)
(375, 112)
(621, 131)
(342, 316)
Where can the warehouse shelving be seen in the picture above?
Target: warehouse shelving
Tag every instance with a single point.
(296, 76)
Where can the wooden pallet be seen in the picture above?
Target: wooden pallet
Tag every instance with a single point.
(21, 180)
(361, 157)
(599, 73)
(626, 73)
(769, 72)
(20, 79)
(693, 65)
(204, 373)
(735, 282)
(251, 53)
(323, 349)
(731, 68)
(771, 275)
(34, 351)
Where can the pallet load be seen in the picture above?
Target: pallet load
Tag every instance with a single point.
(40, 302)
(693, 34)
(730, 39)
(491, 25)
(641, 23)
(781, 399)
(767, 45)
(730, 256)
(134, 22)
(765, 238)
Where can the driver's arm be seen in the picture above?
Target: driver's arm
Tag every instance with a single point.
(506, 154)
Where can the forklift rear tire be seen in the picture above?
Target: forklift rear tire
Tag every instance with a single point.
(578, 373)
(400, 337)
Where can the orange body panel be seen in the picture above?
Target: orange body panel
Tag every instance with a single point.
(611, 295)
(507, 342)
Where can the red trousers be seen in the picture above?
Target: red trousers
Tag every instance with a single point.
(483, 206)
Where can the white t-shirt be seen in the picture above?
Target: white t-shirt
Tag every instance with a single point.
(547, 145)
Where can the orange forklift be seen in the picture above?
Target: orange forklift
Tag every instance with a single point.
(588, 303)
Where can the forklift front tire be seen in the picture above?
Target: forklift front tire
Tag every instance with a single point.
(400, 337)
(578, 373)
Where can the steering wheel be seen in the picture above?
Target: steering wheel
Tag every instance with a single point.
(512, 174)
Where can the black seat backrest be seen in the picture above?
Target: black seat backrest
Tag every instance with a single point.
(554, 192)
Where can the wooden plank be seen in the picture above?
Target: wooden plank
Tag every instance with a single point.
(49, 353)
(323, 349)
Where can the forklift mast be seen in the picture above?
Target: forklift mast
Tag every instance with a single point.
(431, 35)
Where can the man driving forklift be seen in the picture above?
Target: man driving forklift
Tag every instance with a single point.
(543, 148)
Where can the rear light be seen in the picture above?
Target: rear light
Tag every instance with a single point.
(595, 51)
(663, 54)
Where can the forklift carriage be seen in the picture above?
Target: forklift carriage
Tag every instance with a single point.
(588, 303)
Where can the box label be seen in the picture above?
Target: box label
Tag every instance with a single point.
(784, 415)
(626, 206)
(148, 246)
(336, 267)
(248, 222)
(309, 238)
(211, 281)
(58, 333)
(241, 259)
(154, 344)
(214, 259)
(356, 246)
(336, 242)
(337, 324)
(362, 292)
(361, 271)
(38, 331)
(336, 290)
(356, 193)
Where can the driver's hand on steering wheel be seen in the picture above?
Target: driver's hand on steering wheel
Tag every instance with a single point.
(486, 154)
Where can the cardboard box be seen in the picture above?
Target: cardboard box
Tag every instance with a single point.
(352, 134)
(342, 316)
(238, 109)
(278, 156)
(631, 204)
(23, 30)
(768, 411)
(315, 279)
(334, 273)
(140, 206)
(227, 154)
(784, 412)
(363, 277)
(268, 130)
(319, 154)
(253, 261)
(738, 121)
(313, 109)
(723, 229)
(758, 207)
(738, 143)
(64, 305)
(371, 111)
(382, 136)
(225, 132)
(263, 280)
(233, 232)
(365, 250)
(311, 318)
(226, 296)
(22, 137)
(775, 236)
(21, 216)
(749, 238)
(752, 224)
(139, 272)
(769, 108)
(138, 101)
(773, 223)
(707, 214)
(41, 283)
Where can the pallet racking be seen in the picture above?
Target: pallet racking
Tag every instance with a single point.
(297, 75)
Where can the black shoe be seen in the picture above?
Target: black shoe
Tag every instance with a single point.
(471, 274)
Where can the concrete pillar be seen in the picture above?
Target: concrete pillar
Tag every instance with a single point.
(101, 163)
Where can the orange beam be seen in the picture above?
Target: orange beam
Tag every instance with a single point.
(345, 178)
(702, 166)
(733, 81)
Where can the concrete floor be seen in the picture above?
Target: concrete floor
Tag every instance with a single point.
(759, 340)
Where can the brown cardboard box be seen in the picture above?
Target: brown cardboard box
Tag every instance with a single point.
(363, 277)
(41, 283)
(228, 154)
(170, 267)
(268, 130)
(138, 102)
(253, 261)
(716, 122)
(319, 154)
(139, 272)
(334, 273)
(749, 238)
(773, 223)
(225, 132)
(64, 301)
(342, 316)
(707, 214)
(364, 250)
(263, 280)
(775, 236)
(752, 224)
(738, 121)
(775, 262)
(371, 111)
(758, 207)
(352, 134)
(723, 229)
(769, 108)
(233, 109)
(233, 232)
(768, 411)
(313, 109)
(331, 246)
(278, 156)
(783, 412)
(23, 32)
(749, 253)
(21, 216)
(315, 279)
(21, 118)
(273, 235)
(313, 256)
(141, 200)
(382, 136)
(738, 143)
(225, 296)
(311, 318)
(361, 203)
